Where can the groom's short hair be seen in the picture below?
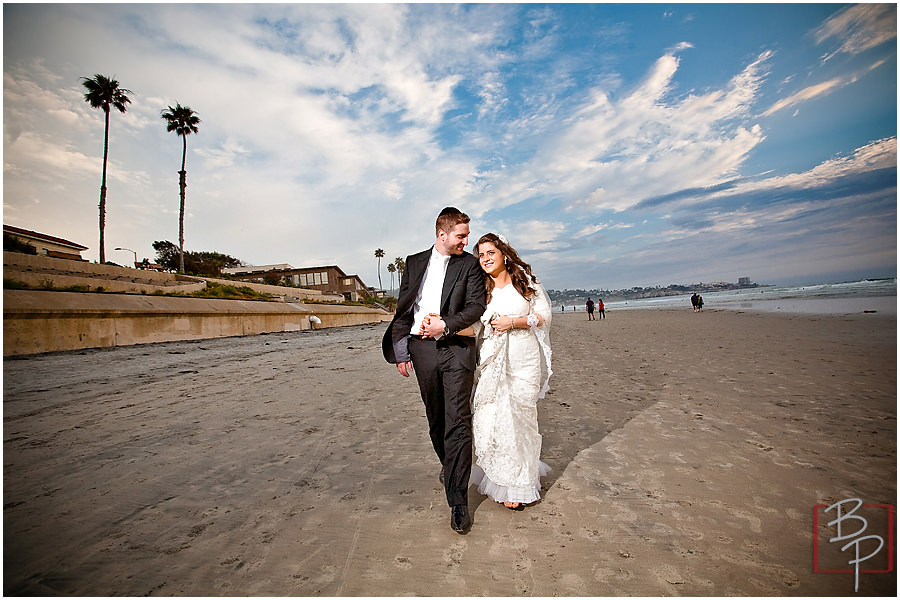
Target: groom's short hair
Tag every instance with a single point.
(449, 218)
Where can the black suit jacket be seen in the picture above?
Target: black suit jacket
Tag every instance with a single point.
(463, 301)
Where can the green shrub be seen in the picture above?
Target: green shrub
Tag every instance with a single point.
(13, 244)
(230, 292)
(14, 284)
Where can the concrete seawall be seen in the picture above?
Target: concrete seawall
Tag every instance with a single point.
(35, 321)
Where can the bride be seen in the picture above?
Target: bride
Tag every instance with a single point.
(512, 375)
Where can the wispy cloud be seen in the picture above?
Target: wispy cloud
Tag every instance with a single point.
(614, 150)
(592, 229)
(858, 28)
(807, 93)
(821, 89)
(880, 155)
(876, 156)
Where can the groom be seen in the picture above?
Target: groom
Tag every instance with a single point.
(446, 281)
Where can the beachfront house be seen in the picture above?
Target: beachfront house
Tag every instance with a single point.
(328, 279)
(47, 245)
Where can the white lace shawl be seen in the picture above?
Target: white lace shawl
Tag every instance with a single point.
(540, 304)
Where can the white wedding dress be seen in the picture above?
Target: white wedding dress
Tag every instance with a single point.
(512, 375)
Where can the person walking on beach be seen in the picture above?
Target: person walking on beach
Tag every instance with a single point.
(512, 375)
(694, 298)
(590, 309)
(699, 303)
(441, 293)
(601, 311)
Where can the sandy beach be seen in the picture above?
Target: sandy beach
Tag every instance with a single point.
(689, 452)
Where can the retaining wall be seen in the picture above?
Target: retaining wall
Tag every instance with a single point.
(43, 271)
(46, 321)
(18, 262)
(118, 286)
(288, 294)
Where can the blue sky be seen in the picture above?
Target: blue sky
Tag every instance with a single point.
(613, 145)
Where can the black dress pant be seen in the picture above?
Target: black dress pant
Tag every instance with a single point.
(446, 388)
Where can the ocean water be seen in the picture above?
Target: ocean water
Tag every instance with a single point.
(865, 296)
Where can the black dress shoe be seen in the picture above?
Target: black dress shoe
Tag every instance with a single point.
(460, 521)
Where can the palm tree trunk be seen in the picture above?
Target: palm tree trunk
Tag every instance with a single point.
(182, 183)
(103, 189)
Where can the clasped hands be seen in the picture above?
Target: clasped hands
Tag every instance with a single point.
(501, 324)
(432, 326)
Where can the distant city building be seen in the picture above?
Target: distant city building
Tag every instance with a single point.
(47, 245)
(329, 279)
(744, 281)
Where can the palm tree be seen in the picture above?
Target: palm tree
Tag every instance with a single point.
(401, 266)
(379, 254)
(183, 121)
(392, 268)
(104, 92)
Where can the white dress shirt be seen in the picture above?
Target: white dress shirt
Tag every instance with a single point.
(429, 298)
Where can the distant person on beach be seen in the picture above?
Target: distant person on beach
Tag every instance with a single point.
(589, 306)
(512, 375)
(699, 303)
(694, 299)
(423, 335)
(601, 310)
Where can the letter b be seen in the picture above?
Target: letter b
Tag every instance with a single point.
(849, 515)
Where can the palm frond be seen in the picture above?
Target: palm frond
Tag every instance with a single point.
(103, 92)
(181, 119)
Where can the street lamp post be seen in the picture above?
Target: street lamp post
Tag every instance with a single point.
(129, 250)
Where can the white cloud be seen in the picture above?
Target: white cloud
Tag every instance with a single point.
(492, 93)
(801, 212)
(225, 155)
(614, 153)
(881, 154)
(592, 229)
(393, 189)
(859, 28)
(681, 46)
(531, 235)
(812, 92)
(48, 159)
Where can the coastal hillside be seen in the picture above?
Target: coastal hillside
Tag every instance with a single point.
(576, 296)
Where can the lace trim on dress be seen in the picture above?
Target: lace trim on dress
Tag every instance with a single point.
(502, 493)
(540, 303)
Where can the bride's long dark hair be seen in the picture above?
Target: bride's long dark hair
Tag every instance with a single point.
(519, 270)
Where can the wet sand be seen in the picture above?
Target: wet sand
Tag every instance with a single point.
(688, 453)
